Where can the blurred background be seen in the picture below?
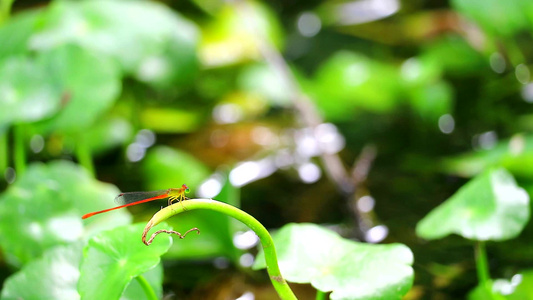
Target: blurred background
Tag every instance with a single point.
(358, 115)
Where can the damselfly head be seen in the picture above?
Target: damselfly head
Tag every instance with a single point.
(184, 186)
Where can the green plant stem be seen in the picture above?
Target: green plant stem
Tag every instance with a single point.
(5, 10)
(281, 286)
(321, 295)
(19, 151)
(482, 264)
(3, 151)
(147, 288)
(83, 153)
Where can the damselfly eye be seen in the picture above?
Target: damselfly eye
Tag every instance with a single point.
(187, 190)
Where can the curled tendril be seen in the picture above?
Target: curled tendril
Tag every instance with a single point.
(147, 243)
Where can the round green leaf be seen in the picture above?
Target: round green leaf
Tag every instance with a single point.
(165, 168)
(26, 92)
(349, 81)
(417, 71)
(472, 163)
(431, 101)
(504, 18)
(55, 276)
(519, 287)
(523, 285)
(452, 55)
(489, 207)
(514, 154)
(113, 258)
(485, 292)
(52, 276)
(89, 82)
(14, 34)
(114, 29)
(308, 253)
(175, 64)
(43, 208)
(154, 276)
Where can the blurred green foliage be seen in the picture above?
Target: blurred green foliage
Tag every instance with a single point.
(359, 82)
(166, 167)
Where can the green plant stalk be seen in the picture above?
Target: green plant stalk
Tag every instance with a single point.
(320, 295)
(19, 151)
(281, 286)
(482, 264)
(3, 151)
(83, 153)
(147, 288)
